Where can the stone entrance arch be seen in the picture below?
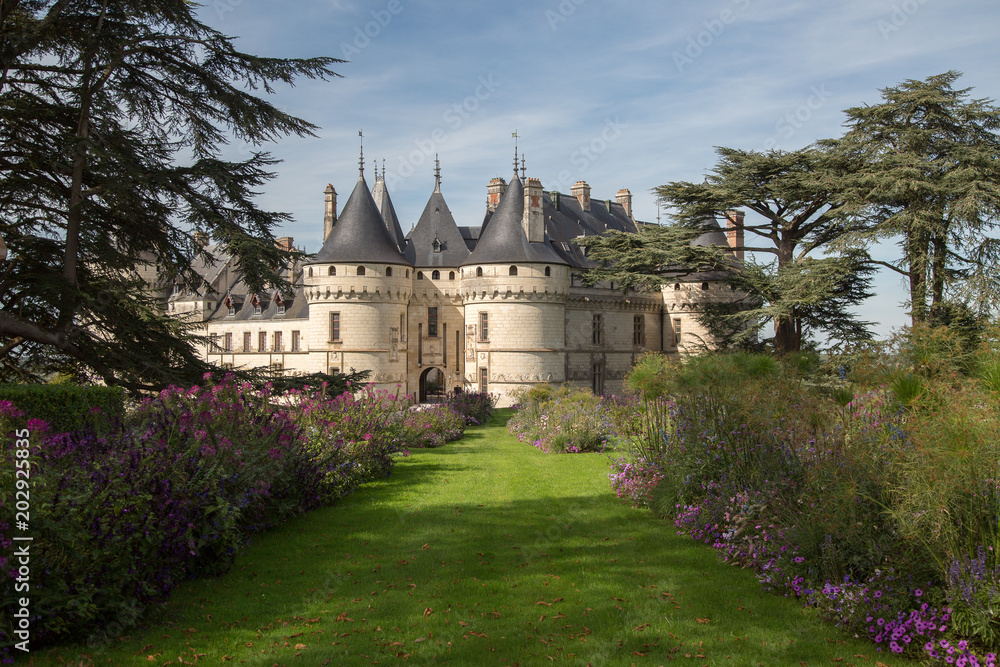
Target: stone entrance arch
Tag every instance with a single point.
(432, 385)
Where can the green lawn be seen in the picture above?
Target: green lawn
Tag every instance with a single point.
(483, 552)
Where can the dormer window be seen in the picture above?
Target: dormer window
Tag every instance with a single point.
(255, 302)
(436, 244)
(280, 303)
(230, 306)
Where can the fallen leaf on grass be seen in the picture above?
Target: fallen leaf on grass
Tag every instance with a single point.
(703, 620)
(641, 627)
(428, 611)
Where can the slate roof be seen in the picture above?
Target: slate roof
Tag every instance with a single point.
(503, 240)
(380, 194)
(360, 233)
(436, 222)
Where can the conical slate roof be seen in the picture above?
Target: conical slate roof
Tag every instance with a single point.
(381, 196)
(503, 240)
(360, 234)
(713, 234)
(436, 223)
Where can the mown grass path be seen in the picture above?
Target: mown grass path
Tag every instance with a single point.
(483, 552)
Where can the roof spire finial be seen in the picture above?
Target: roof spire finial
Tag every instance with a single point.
(361, 161)
(375, 162)
(437, 173)
(515, 135)
(522, 168)
(383, 169)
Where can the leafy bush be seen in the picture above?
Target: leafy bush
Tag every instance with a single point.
(67, 407)
(563, 420)
(432, 426)
(476, 407)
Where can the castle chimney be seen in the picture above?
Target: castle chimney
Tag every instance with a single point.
(624, 198)
(494, 191)
(284, 243)
(331, 211)
(734, 231)
(581, 191)
(533, 223)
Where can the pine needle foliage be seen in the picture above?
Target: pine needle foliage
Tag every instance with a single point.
(113, 121)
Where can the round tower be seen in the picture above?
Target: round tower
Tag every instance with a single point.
(358, 286)
(514, 292)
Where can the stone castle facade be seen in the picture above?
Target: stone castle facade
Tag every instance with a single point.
(496, 307)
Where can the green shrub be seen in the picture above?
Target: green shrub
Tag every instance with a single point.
(560, 420)
(67, 407)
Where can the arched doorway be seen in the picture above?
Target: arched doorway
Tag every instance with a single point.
(431, 385)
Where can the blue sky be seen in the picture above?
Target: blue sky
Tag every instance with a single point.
(623, 95)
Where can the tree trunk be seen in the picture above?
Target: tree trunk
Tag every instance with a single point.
(939, 267)
(917, 247)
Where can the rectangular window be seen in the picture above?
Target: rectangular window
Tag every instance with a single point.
(334, 370)
(444, 344)
(262, 341)
(420, 343)
(402, 327)
(335, 326)
(484, 326)
(213, 342)
(598, 329)
(247, 344)
(677, 331)
(296, 336)
(484, 377)
(277, 341)
(638, 330)
(432, 322)
(228, 342)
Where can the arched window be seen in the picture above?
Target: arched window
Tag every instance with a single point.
(451, 275)
(479, 272)
(407, 273)
(361, 270)
(512, 271)
(436, 275)
(332, 271)
(677, 287)
(704, 286)
(388, 272)
(548, 270)
(310, 272)
(420, 275)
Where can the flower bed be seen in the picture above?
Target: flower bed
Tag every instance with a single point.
(560, 420)
(118, 520)
(877, 505)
